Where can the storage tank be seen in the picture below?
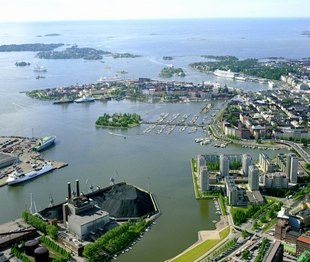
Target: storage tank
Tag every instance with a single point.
(30, 246)
(41, 254)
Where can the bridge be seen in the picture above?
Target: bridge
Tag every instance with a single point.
(304, 155)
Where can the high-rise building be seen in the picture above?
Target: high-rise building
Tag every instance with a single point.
(276, 180)
(224, 165)
(253, 178)
(246, 162)
(265, 163)
(200, 162)
(293, 169)
(204, 178)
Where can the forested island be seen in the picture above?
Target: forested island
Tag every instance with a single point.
(250, 66)
(29, 47)
(170, 71)
(75, 52)
(118, 120)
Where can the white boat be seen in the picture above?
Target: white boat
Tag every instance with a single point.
(39, 69)
(84, 99)
(44, 143)
(19, 177)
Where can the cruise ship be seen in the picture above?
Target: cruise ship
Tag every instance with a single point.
(223, 73)
(44, 143)
(84, 99)
(19, 177)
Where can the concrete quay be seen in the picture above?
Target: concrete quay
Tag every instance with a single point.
(16, 153)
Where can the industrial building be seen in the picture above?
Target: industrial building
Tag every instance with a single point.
(6, 160)
(82, 216)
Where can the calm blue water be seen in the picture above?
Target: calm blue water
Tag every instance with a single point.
(93, 154)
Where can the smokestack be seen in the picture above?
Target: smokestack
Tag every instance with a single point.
(77, 188)
(69, 191)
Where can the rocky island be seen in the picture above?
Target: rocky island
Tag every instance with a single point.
(22, 63)
(171, 71)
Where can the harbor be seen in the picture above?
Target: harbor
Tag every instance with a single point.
(19, 155)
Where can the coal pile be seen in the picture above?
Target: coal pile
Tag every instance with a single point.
(125, 201)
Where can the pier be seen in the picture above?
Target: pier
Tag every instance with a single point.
(168, 124)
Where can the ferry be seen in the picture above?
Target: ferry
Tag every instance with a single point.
(84, 99)
(44, 143)
(18, 177)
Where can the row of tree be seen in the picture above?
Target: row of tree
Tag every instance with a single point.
(113, 241)
(56, 248)
(39, 224)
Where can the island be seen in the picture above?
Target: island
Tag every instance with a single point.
(29, 47)
(22, 63)
(74, 52)
(272, 69)
(118, 120)
(124, 55)
(167, 58)
(171, 71)
(52, 34)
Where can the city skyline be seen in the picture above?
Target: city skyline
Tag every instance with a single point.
(56, 10)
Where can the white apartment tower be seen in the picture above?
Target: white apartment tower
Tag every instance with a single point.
(224, 165)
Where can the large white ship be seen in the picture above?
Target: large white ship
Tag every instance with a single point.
(223, 73)
(44, 143)
(84, 99)
(19, 177)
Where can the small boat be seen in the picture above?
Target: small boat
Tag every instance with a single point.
(39, 69)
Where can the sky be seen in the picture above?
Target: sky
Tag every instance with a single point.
(59, 10)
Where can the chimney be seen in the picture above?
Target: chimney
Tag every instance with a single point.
(69, 191)
(77, 188)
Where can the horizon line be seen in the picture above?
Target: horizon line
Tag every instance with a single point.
(155, 19)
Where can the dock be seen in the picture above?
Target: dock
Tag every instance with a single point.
(24, 158)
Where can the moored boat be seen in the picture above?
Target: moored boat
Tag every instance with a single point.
(18, 177)
(44, 143)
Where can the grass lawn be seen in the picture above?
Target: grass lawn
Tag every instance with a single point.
(289, 248)
(202, 248)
